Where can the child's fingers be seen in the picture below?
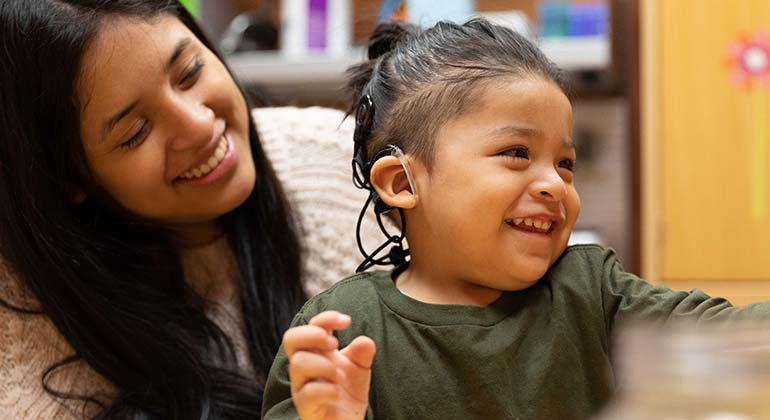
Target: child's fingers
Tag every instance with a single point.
(316, 335)
(330, 321)
(314, 394)
(308, 337)
(305, 367)
(361, 352)
(356, 361)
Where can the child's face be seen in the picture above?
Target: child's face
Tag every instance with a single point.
(157, 106)
(498, 169)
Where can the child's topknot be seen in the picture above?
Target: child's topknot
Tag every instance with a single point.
(384, 38)
(387, 36)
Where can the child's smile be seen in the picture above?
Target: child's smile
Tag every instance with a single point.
(535, 223)
(498, 205)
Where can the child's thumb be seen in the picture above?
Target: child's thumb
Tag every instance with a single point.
(361, 351)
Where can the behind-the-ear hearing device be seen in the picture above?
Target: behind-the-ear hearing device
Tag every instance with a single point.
(361, 178)
(398, 153)
(392, 150)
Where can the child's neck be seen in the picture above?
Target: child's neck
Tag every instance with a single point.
(425, 284)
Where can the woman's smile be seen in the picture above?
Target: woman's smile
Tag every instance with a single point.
(216, 165)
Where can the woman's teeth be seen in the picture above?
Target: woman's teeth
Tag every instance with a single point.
(537, 224)
(211, 164)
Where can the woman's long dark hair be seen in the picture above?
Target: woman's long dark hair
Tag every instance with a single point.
(112, 285)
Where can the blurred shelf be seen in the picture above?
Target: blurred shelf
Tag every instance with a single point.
(271, 68)
(578, 53)
(318, 76)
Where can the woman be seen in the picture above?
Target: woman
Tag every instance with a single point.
(140, 216)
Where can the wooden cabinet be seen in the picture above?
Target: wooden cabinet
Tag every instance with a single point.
(705, 148)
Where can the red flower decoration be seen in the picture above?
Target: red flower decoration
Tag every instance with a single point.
(750, 60)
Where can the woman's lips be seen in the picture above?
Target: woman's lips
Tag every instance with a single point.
(223, 168)
(211, 163)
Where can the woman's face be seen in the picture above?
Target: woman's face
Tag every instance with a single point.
(164, 126)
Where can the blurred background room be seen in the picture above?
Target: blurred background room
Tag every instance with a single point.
(671, 103)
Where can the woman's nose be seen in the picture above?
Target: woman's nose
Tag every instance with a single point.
(190, 124)
(549, 186)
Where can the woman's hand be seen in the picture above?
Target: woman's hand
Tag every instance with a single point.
(327, 383)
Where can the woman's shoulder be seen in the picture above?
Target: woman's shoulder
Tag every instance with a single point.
(30, 346)
(303, 140)
(311, 150)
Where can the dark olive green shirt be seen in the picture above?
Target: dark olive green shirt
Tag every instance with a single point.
(540, 353)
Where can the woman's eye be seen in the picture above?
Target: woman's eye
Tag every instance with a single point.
(192, 74)
(137, 138)
(517, 153)
(568, 164)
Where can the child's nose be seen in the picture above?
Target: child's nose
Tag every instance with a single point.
(549, 186)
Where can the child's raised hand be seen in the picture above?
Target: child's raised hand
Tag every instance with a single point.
(327, 383)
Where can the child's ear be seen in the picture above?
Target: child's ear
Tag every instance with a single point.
(389, 179)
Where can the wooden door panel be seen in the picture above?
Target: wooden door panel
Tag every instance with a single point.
(715, 197)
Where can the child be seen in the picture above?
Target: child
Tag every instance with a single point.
(493, 317)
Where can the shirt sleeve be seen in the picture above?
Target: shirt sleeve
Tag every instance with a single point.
(277, 402)
(626, 297)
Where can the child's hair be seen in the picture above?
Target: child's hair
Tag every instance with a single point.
(419, 79)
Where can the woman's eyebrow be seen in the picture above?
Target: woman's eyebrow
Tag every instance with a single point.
(175, 54)
(114, 120)
(178, 50)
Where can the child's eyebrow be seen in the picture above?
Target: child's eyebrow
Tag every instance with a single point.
(514, 131)
(517, 131)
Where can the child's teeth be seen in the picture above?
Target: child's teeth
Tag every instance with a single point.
(538, 224)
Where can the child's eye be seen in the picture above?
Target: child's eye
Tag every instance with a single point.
(191, 76)
(137, 138)
(568, 164)
(517, 153)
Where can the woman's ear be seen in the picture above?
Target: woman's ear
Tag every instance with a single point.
(389, 179)
(78, 197)
(75, 194)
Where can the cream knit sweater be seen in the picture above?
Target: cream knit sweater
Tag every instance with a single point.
(311, 150)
